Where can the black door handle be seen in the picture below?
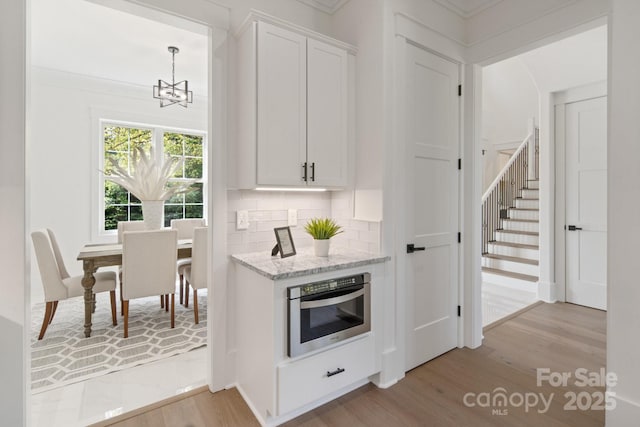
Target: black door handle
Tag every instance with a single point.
(304, 171)
(411, 248)
(573, 228)
(313, 172)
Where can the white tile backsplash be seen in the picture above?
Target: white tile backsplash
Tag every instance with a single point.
(268, 210)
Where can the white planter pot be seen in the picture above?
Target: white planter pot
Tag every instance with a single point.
(153, 214)
(321, 247)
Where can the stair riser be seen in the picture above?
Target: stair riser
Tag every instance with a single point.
(516, 238)
(515, 267)
(521, 226)
(530, 194)
(527, 204)
(514, 214)
(516, 252)
(510, 282)
(533, 184)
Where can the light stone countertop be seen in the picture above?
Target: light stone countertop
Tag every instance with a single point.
(305, 262)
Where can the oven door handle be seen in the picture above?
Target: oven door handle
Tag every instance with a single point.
(331, 301)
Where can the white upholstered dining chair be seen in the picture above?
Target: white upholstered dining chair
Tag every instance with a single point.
(185, 227)
(148, 268)
(58, 284)
(196, 272)
(130, 226)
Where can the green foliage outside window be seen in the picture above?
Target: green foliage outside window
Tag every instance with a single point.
(120, 142)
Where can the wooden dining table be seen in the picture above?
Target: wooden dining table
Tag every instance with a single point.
(94, 256)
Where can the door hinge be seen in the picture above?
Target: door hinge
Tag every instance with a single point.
(459, 311)
(459, 164)
(459, 237)
(459, 90)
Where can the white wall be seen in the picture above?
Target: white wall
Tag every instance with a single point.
(509, 101)
(13, 222)
(623, 189)
(63, 157)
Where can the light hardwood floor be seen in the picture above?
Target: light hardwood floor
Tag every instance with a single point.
(560, 337)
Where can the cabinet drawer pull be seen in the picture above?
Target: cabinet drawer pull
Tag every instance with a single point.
(304, 171)
(336, 372)
(313, 172)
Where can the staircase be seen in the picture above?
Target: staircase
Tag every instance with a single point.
(510, 220)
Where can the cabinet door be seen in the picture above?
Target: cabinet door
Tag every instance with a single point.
(327, 77)
(282, 109)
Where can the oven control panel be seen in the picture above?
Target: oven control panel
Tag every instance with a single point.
(327, 285)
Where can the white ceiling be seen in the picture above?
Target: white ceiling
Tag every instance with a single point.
(467, 8)
(86, 38)
(574, 61)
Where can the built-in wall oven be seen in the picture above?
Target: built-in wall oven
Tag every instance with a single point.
(329, 311)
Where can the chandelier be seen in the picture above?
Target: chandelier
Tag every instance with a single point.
(173, 93)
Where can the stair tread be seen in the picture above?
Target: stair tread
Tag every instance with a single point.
(526, 233)
(526, 198)
(514, 245)
(511, 274)
(520, 220)
(512, 259)
(524, 209)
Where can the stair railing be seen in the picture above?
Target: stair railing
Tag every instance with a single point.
(503, 191)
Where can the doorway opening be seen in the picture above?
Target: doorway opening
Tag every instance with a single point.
(524, 254)
(92, 70)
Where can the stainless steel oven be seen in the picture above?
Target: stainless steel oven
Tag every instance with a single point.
(329, 311)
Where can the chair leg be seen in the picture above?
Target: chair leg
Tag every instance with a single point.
(186, 294)
(161, 301)
(121, 298)
(53, 313)
(173, 310)
(181, 288)
(166, 302)
(114, 318)
(195, 305)
(125, 308)
(45, 322)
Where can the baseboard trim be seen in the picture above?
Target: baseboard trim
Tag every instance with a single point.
(511, 316)
(151, 407)
(547, 291)
(626, 413)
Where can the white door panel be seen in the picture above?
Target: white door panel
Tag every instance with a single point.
(586, 202)
(432, 205)
(282, 105)
(327, 114)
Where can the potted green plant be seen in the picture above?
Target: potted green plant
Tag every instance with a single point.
(322, 230)
(148, 180)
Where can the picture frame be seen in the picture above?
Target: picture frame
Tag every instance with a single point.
(285, 243)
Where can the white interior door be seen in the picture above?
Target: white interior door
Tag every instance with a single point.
(586, 202)
(432, 205)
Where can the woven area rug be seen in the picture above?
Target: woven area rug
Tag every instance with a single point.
(65, 356)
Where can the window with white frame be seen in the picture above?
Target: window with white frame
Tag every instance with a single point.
(119, 142)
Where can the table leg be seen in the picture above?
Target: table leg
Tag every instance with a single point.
(88, 280)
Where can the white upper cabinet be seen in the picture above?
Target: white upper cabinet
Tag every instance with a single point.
(327, 97)
(293, 109)
(282, 106)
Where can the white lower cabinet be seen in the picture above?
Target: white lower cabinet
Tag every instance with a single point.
(303, 381)
(278, 387)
